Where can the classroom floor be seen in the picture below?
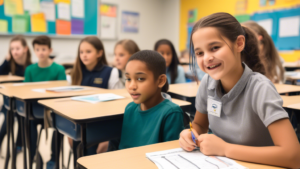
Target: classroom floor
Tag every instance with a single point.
(20, 154)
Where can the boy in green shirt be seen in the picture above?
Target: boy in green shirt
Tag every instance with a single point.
(45, 69)
(150, 118)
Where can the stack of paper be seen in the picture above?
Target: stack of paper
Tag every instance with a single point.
(180, 159)
(98, 98)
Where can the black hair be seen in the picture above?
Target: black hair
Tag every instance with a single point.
(154, 62)
(175, 61)
(42, 40)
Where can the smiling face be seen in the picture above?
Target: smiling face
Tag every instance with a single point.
(215, 54)
(140, 82)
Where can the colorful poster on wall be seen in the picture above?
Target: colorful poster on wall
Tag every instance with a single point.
(1, 2)
(63, 27)
(20, 23)
(77, 8)
(49, 9)
(240, 7)
(262, 2)
(38, 23)
(32, 6)
(271, 2)
(242, 18)
(3, 26)
(193, 15)
(63, 11)
(130, 22)
(108, 27)
(13, 7)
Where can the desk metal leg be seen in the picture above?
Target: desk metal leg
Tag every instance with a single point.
(13, 153)
(8, 128)
(83, 140)
(75, 145)
(28, 134)
(22, 119)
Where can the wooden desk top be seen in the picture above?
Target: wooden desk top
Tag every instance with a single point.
(290, 100)
(135, 158)
(24, 91)
(78, 111)
(185, 89)
(291, 64)
(284, 88)
(10, 78)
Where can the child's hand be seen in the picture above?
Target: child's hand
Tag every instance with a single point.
(186, 141)
(211, 144)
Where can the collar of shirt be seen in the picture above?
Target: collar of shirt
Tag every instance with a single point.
(238, 87)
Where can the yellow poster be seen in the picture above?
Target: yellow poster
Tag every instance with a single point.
(3, 26)
(62, 1)
(38, 23)
(1, 2)
(13, 7)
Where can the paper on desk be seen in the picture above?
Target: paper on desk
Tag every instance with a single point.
(98, 98)
(65, 89)
(178, 158)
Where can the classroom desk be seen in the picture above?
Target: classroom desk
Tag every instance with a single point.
(135, 158)
(284, 88)
(88, 116)
(187, 92)
(22, 94)
(291, 66)
(10, 78)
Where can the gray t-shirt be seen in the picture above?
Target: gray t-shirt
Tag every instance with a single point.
(246, 110)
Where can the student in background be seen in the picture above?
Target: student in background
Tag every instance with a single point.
(15, 63)
(239, 105)
(123, 50)
(150, 118)
(191, 74)
(175, 72)
(18, 57)
(91, 68)
(45, 69)
(268, 53)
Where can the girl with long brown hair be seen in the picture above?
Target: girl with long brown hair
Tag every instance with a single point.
(239, 104)
(268, 53)
(18, 57)
(91, 68)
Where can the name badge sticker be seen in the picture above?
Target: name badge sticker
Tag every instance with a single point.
(214, 107)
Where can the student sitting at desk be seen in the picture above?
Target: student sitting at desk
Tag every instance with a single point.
(268, 53)
(44, 70)
(239, 105)
(175, 73)
(91, 68)
(15, 63)
(149, 118)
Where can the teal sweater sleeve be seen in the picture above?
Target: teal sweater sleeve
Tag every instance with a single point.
(27, 77)
(181, 75)
(62, 73)
(173, 125)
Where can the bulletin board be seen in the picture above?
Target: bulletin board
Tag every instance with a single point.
(67, 18)
(283, 26)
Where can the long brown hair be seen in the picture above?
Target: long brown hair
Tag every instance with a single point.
(268, 54)
(129, 45)
(230, 28)
(76, 74)
(28, 54)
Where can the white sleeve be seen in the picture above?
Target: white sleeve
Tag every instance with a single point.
(114, 81)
